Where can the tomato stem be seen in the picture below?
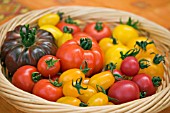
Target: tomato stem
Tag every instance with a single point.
(143, 63)
(156, 81)
(69, 20)
(36, 76)
(55, 83)
(131, 52)
(67, 30)
(86, 43)
(50, 63)
(143, 44)
(158, 58)
(131, 23)
(114, 41)
(142, 94)
(86, 69)
(60, 14)
(78, 85)
(83, 104)
(27, 35)
(99, 26)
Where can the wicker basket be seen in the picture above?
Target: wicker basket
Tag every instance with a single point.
(30, 103)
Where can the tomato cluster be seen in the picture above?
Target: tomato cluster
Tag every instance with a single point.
(91, 67)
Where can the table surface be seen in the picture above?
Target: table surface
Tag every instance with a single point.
(154, 10)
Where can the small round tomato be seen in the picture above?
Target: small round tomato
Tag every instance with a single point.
(25, 78)
(124, 33)
(98, 30)
(48, 65)
(124, 91)
(79, 35)
(145, 84)
(49, 19)
(98, 99)
(118, 74)
(130, 66)
(69, 100)
(70, 23)
(48, 90)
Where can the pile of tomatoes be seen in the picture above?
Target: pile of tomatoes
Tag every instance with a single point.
(94, 65)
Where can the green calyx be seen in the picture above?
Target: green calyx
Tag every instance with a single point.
(99, 26)
(36, 76)
(86, 43)
(78, 86)
(111, 66)
(114, 41)
(83, 104)
(60, 14)
(86, 69)
(143, 63)
(156, 81)
(131, 52)
(27, 35)
(69, 20)
(67, 30)
(131, 23)
(158, 58)
(50, 63)
(143, 44)
(55, 83)
(142, 94)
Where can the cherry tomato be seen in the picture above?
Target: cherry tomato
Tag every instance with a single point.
(124, 33)
(98, 30)
(25, 78)
(70, 23)
(69, 100)
(48, 65)
(79, 35)
(48, 90)
(145, 84)
(124, 91)
(130, 66)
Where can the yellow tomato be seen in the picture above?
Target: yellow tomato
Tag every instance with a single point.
(107, 43)
(69, 100)
(113, 55)
(87, 94)
(57, 33)
(86, 81)
(71, 74)
(110, 103)
(49, 19)
(124, 33)
(98, 99)
(104, 79)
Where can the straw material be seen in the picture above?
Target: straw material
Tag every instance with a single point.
(30, 103)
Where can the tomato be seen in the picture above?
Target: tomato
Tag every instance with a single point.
(113, 55)
(124, 91)
(118, 74)
(25, 78)
(66, 36)
(155, 69)
(53, 30)
(130, 66)
(98, 30)
(48, 90)
(48, 65)
(75, 51)
(83, 35)
(71, 74)
(110, 103)
(145, 84)
(49, 19)
(70, 23)
(74, 88)
(87, 94)
(107, 43)
(104, 79)
(69, 100)
(124, 33)
(86, 81)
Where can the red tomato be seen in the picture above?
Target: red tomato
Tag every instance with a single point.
(130, 66)
(145, 84)
(25, 78)
(118, 74)
(83, 35)
(98, 30)
(47, 90)
(124, 91)
(48, 65)
(74, 52)
(70, 23)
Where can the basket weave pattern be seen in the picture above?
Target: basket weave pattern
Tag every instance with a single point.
(30, 103)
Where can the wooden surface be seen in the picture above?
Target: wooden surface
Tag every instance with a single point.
(154, 10)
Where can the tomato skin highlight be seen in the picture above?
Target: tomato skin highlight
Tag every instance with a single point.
(124, 91)
(22, 78)
(69, 100)
(48, 91)
(130, 66)
(145, 84)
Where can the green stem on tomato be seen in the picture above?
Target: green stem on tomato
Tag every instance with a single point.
(99, 26)
(156, 81)
(143, 63)
(86, 69)
(158, 58)
(69, 20)
(83, 104)
(86, 43)
(131, 52)
(50, 63)
(36, 76)
(142, 94)
(55, 83)
(143, 44)
(60, 14)
(67, 30)
(114, 41)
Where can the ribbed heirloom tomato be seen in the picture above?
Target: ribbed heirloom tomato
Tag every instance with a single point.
(74, 52)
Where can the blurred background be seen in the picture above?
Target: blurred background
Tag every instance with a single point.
(157, 11)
